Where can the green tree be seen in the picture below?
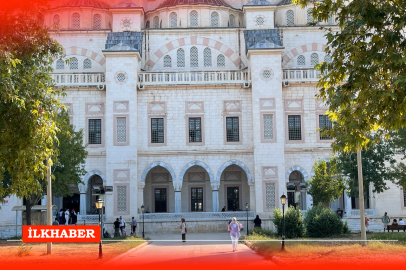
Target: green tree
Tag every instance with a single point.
(293, 222)
(365, 83)
(327, 184)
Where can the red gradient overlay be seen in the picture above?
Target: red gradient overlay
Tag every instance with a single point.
(61, 234)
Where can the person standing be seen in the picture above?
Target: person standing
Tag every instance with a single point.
(66, 216)
(385, 220)
(234, 229)
(122, 226)
(55, 222)
(257, 222)
(133, 226)
(61, 217)
(224, 209)
(73, 216)
(117, 228)
(183, 229)
(366, 221)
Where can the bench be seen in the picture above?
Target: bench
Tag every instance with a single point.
(395, 227)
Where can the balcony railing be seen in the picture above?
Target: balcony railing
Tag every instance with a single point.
(194, 77)
(82, 79)
(300, 75)
(194, 216)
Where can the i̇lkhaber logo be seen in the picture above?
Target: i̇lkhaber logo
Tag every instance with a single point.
(61, 234)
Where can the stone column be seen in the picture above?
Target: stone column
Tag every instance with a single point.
(252, 197)
(215, 196)
(178, 201)
(348, 205)
(140, 197)
(83, 201)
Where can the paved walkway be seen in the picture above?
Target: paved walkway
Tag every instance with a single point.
(166, 249)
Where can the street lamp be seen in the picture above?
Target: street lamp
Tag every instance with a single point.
(283, 202)
(142, 209)
(246, 208)
(99, 206)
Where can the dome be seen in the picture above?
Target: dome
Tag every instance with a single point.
(86, 3)
(172, 3)
(126, 4)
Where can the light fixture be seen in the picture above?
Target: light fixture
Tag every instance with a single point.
(283, 199)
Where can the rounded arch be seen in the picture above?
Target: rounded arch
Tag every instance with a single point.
(311, 47)
(194, 40)
(83, 186)
(296, 168)
(155, 164)
(87, 53)
(234, 162)
(196, 163)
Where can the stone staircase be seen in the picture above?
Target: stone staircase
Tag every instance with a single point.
(355, 226)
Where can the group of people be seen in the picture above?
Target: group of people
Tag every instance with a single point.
(119, 227)
(386, 221)
(66, 217)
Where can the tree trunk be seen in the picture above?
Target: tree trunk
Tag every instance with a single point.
(28, 210)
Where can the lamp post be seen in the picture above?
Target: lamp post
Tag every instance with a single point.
(99, 206)
(246, 208)
(142, 209)
(283, 202)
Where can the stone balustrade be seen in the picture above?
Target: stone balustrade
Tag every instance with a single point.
(300, 75)
(197, 216)
(80, 79)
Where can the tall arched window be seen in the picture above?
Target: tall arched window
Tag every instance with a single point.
(232, 20)
(194, 57)
(57, 21)
(97, 22)
(314, 59)
(73, 63)
(309, 15)
(290, 18)
(167, 61)
(301, 61)
(75, 21)
(214, 19)
(194, 18)
(221, 61)
(207, 57)
(60, 64)
(147, 25)
(327, 59)
(180, 55)
(174, 20)
(156, 22)
(87, 64)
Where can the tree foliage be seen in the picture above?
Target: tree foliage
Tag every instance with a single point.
(293, 222)
(327, 184)
(321, 221)
(365, 84)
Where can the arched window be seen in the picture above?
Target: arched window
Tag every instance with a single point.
(174, 20)
(167, 61)
(232, 20)
(296, 183)
(73, 63)
(214, 19)
(221, 61)
(309, 15)
(97, 22)
(194, 57)
(327, 59)
(194, 18)
(314, 59)
(87, 64)
(207, 57)
(260, 20)
(57, 21)
(60, 64)
(180, 61)
(156, 22)
(147, 25)
(75, 21)
(301, 61)
(290, 18)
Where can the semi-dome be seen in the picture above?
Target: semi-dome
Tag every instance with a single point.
(86, 3)
(172, 3)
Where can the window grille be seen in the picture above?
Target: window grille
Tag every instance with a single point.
(147, 25)
(327, 59)
(157, 130)
(301, 61)
(310, 15)
(197, 199)
(232, 128)
(121, 198)
(232, 20)
(127, 23)
(194, 57)
(180, 55)
(324, 124)
(270, 195)
(76, 21)
(174, 20)
(156, 22)
(221, 61)
(295, 128)
(60, 64)
(74, 63)
(195, 129)
(268, 126)
(314, 59)
(121, 129)
(214, 19)
(260, 21)
(207, 57)
(194, 18)
(121, 77)
(167, 61)
(57, 21)
(290, 18)
(97, 22)
(87, 64)
(94, 131)
(266, 74)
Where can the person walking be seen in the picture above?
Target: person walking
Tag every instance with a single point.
(257, 222)
(234, 229)
(133, 226)
(67, 216)
(117, 228)
(61, 215)
(183, 229)
(385, 221)
(366, 221)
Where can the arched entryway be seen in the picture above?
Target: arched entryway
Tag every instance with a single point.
(296, 190)
(196, 190)
(94, 190)
(159, 191)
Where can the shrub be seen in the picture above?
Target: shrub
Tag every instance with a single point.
(321, 221)
(24, 249)
(293, 222)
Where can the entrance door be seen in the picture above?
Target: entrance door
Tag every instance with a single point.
(233, 198)
(291, 199)
(160, 200)
(197, 199)
(72, 202)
